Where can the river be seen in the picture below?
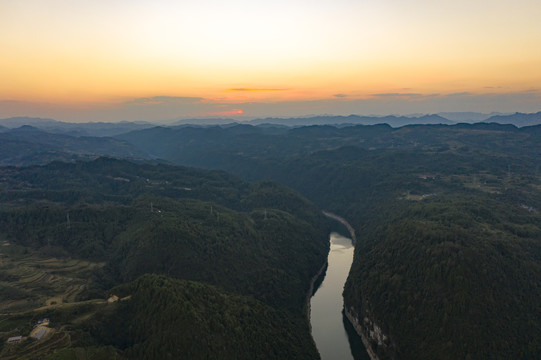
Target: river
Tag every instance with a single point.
(334, 336)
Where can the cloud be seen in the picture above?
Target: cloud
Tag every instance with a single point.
(405, 95)
(340, 95)
(232, 112)
(157, 100)
(401, 103)
(252, 90)
(165, 108)
(398, 95)
(531, 91)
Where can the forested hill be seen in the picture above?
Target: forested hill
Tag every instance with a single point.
(454, 276)
(230, 147)
(259, 244)
(29, 145)
(190, 320)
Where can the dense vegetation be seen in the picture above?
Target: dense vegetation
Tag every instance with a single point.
(448, 259)
(453, 278)
(178, 319)
(260, 240)
(28, 145)
(448, 263)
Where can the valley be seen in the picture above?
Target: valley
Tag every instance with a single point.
(445, 220)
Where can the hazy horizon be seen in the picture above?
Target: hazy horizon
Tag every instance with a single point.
(453, 117)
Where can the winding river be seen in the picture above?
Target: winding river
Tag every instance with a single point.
(334, 336)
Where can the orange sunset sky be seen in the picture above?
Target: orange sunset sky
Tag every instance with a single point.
(161, 60)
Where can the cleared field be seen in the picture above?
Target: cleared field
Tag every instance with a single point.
(31, 349)
(33, 287)
(417, 197)
(32, 281)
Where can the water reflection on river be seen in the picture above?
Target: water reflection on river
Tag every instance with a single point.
(334, 340)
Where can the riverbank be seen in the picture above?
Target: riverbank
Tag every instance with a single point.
(344, 222)
(311, 291)
(359, 330)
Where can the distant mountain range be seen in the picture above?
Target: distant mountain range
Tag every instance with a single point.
(517, 119)
(112, 129)
(468, 116)
(30, 145)
(448, 118)
(394, 121)
(74, 129)
(209, 121)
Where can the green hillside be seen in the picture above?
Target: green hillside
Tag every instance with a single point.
(178, 319)
(262, 240)
(452, 278)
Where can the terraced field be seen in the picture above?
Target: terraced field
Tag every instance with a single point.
(33, 287)
(38, 281)
(32, 349)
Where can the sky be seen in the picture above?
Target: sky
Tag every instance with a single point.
(140, 60)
